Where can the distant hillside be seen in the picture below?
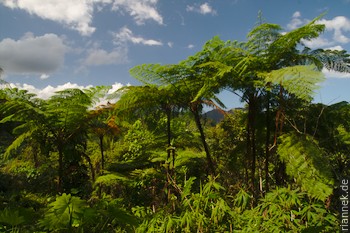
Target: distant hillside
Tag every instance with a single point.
(216, 115)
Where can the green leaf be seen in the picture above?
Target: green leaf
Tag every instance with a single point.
(11, 217)
(301, 81)
(305, 162)
(66, 212)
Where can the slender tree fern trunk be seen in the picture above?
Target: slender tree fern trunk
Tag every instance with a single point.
(267, 142)
(167, 185)
(251, 142)
(168, 114)
(195, 112)
(60, 169)
(35, 155)
(90, 165)
(280, 168)
(102, 153)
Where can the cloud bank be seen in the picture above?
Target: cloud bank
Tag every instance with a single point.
(337, 28)
(32, 55)
(78, 14)
(48, 91)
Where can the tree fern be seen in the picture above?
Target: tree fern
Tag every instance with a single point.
(298, 80)
(110, 180)
(332, 59)
(285, 46)
(305, 162)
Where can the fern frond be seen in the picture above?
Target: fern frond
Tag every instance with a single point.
(288, 42)
(152, 74)
(111, 179)
(305, 161)
(333, 59)
(298, 80)
(17, 143)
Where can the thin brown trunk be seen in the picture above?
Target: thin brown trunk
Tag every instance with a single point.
(279, 121)
(90, 165)
(60, 170)
(202, 135)
(35, 156)
(102, 153)
(251, 147)
(267, 143)
(169, 150)
(168, 114)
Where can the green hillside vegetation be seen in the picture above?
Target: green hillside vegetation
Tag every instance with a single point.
(150, 161)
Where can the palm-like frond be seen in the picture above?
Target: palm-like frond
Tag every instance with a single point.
(281, 48)
(333, 59)
(305, 162)
(298, 80)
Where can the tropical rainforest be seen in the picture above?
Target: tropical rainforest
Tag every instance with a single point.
(150, 160)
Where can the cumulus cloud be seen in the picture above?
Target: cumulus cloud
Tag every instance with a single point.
(334, 74)
(126, 35)
(44, 76)
(338, 25)
(336, 30)
(48, 91)
(338, 47)
(203, 9)
(76, 14)
(296, 21)
(32, 55)
(319, 42)
(96, 57)
(140, 10)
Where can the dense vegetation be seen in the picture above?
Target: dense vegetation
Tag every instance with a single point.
(150, 161)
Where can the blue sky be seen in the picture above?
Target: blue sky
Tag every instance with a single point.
(47, 45)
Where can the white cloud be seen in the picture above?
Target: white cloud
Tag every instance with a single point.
(96, 57)
(297, 14)
(334, 74)
(338, 47)
(140, 10)
(76, 14)
(296, 21)
(170, 44)
(44, 76)
(104, 100)
(126, 35)
(203, 9)
(115, 87)
(319, 42)
(190, 46)
(32, 55)
(338, 25)
(48, 91)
